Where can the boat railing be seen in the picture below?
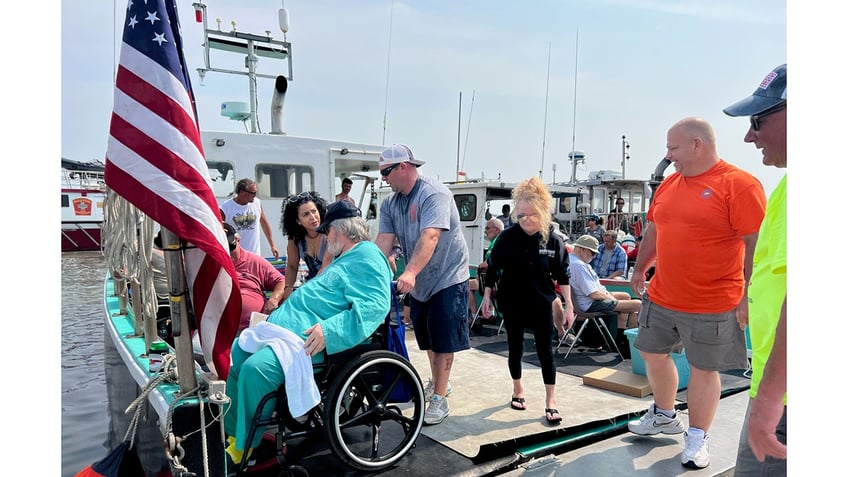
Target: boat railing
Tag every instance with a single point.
(84, 179)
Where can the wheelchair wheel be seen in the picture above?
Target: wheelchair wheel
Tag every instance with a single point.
(364, 427)
(294, 471)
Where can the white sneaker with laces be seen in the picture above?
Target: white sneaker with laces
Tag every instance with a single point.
(437, 410)
(654, 423)
(428, 390)
(696, 452)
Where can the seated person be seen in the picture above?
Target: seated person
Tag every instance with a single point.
(591, 296)
(492, 231)
(594, 227)
(256, 276)
(611, 261)
(337, 310)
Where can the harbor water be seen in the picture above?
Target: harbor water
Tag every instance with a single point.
(85, 419)
(96, 387)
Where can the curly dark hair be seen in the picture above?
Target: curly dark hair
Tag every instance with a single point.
(289, 223)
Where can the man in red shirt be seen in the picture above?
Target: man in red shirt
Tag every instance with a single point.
(256, 275)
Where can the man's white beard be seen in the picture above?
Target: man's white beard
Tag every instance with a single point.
(335, 247)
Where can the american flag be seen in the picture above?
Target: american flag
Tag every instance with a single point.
(155, 161)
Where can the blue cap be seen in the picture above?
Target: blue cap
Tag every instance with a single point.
(770, 93)
(340, 209)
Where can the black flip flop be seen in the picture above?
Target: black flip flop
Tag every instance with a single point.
(518, 404)
(552, 421)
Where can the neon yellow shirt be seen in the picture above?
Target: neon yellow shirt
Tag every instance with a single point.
(768, 283)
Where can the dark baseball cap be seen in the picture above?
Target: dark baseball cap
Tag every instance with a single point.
(340, 209)
(770, 93)
(231, 235)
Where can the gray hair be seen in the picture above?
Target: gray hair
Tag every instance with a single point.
(354, 228)
(496, 223)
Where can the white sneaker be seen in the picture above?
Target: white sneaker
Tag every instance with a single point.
(696, 452)
(653, 423)
(428, 390)
(436, 411)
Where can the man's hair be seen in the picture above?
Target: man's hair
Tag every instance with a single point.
(497, 223)
(611, 233)
(347, 180)
(354, 228)
(243, 184)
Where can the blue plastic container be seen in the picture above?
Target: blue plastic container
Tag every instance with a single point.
(639, 364)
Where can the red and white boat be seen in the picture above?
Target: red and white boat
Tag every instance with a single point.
(83, 194)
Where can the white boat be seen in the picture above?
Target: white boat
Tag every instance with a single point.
(83, 194)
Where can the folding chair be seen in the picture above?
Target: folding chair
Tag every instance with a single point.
(481, 279)
(598, 319)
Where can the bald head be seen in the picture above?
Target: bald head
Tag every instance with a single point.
(693, 127)
(691, 146)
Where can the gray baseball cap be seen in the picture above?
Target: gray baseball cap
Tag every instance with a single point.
(770, 93)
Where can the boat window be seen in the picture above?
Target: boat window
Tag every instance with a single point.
(467, 206)
(283, 180)
(599, 201)
(66, 202)
(566, 204)
(223, 178)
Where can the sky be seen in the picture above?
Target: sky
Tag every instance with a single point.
(641, 66)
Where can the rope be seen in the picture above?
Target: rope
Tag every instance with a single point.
(127, 244)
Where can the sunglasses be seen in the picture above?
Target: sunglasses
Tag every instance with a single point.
(299, 197)
(524, 216)
(755, 119)
(249, 191)
(385, 172)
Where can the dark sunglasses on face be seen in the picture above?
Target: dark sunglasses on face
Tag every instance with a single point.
(251, 192)
(385, 172)
(755, 119)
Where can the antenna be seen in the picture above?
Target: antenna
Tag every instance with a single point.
(574, 118)
(468, 128)
(545, 124)
(388, 69)
(458, 135)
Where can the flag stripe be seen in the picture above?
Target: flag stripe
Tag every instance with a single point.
(155, 160)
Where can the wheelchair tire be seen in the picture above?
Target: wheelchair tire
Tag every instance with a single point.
(363, 427)
(294, 471)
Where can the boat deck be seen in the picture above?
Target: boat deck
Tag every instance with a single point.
(484, 436)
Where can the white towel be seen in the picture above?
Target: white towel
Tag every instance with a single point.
(301, 389)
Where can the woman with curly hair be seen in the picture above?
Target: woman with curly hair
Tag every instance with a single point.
(302, 214)
(525, 261)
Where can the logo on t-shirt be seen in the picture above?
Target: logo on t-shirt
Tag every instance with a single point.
(706, 194)
(245, 221)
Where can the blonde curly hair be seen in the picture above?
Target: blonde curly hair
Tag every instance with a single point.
(536, 194)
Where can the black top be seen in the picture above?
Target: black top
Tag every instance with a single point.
(525, 268)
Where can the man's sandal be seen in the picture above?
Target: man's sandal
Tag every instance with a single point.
(549, 416)
(518, 404)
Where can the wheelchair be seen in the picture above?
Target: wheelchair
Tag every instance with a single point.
(367, 423)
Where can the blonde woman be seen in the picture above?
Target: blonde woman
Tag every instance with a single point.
(525, 261)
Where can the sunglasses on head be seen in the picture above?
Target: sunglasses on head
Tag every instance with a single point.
(755, 119)
(385, 172)
(298, 197)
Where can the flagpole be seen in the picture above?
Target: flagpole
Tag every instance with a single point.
(178, 293)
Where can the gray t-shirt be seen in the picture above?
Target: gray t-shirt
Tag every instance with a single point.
(430, 204)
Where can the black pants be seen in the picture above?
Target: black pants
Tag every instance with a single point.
(539, 319)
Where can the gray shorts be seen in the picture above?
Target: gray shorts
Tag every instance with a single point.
(713, 342)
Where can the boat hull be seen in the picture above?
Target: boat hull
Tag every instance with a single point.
(80, 237)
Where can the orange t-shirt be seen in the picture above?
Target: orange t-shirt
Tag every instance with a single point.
(699, 224)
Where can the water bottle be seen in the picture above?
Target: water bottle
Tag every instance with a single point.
(630, 274)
